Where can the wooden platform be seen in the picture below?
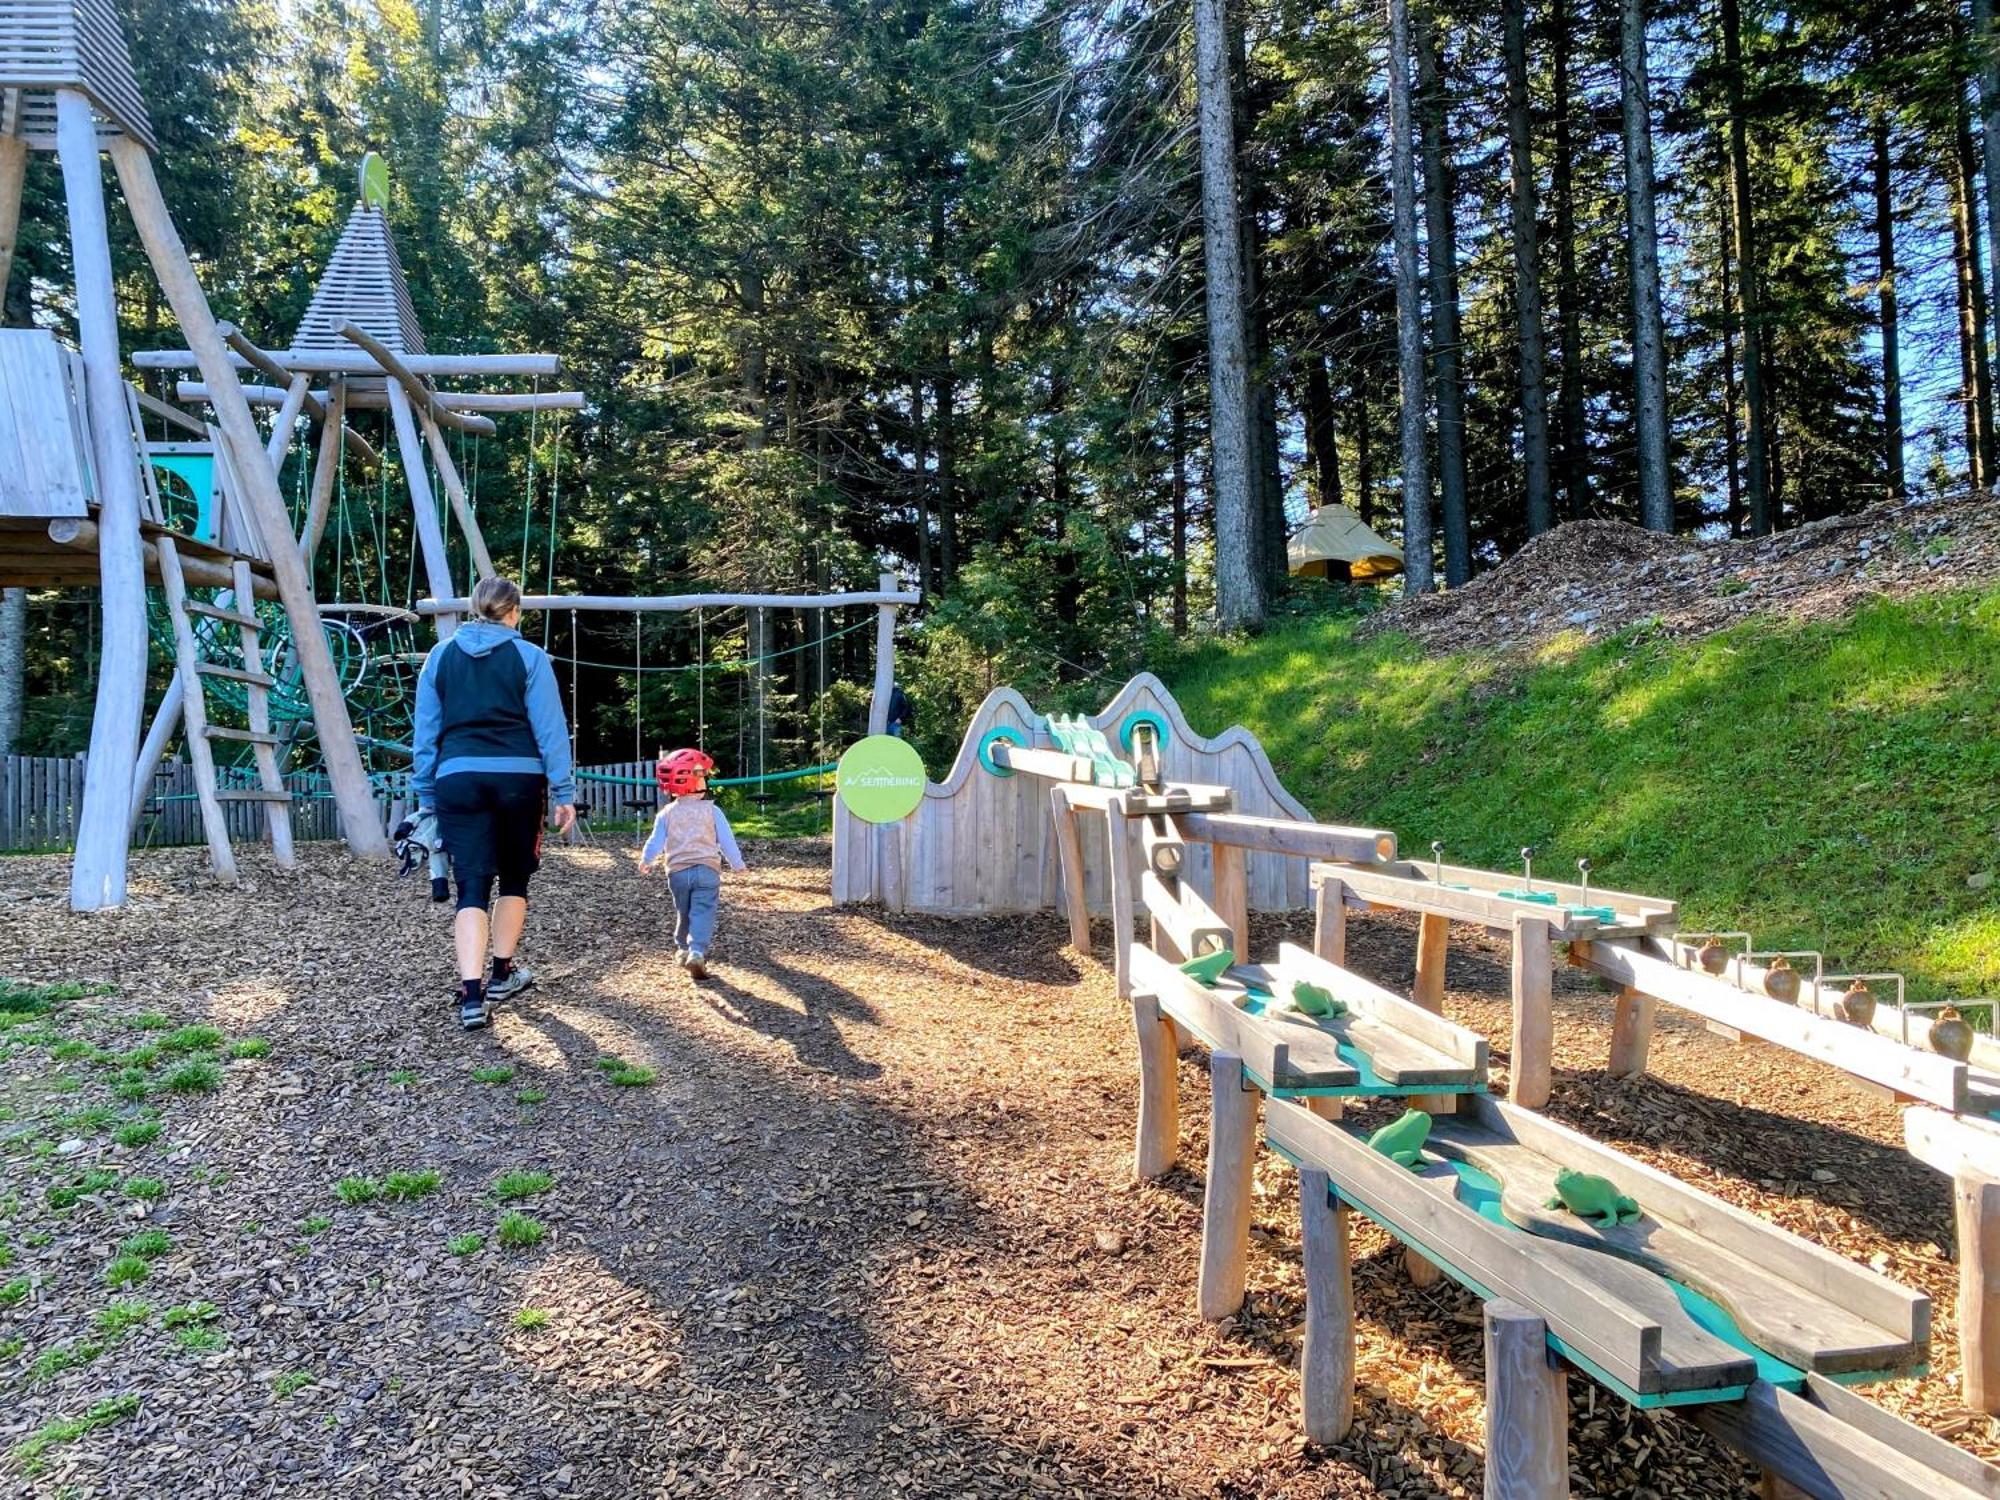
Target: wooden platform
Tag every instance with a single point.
(1463, 894)
(1621, 1320)
(30, 557)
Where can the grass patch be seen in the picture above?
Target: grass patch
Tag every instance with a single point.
(147, 1056)
(519, 1232)
(15, 1291)
(128, 1270)
(249, 1227)
(69, 1194)
(96, 1117)
(53, 1361)
(407, 1187)
(250, 1046)
(530, 1096)
(193, 1340)
(466, 1244)
(626, 1075)
(192, 1039)
(68, 1430)
(532, 1317)
(1828, 785)
(190, 1313)
(151, 1243)
(118, 1318)
(138, 1133)
(132, 1085)
(291, 1383)
(71, 1050)
(357, 1190)
(149, 1020)
(512, 1185)
(18, 997)
(145, 1189)
(317, 1224)
(199, 1075)
(495, 1073)
(9, 1348)
(404, 1077)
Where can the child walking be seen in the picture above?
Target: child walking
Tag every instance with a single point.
(691, 838)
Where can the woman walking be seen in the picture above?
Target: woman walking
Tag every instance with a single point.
(491, 749)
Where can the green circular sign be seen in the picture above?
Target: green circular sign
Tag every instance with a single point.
(374, 181)
(881, 779)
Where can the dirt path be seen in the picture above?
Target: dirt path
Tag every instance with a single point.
(867, 1232)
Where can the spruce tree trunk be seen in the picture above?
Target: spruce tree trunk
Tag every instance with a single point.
(1418, 571)
(1441, 231)
(1322, 446)
(1732, 458)
(1180, 499)
(1239, 570)
(1364, 461)
(13, 665)
(1569, 317)
(1649, 354)
(1982, 368)
(1984, 43)
(1527, 276)
(1892, 359)
(1268, 499)
(944, 400)
(1756, 420)
(1975, 443)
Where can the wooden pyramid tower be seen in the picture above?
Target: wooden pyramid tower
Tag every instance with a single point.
(67, 86)
(363, 284)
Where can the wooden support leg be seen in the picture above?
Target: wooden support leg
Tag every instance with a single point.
(1232, 894)
(454, 489)
(1326, 1109)
(1069, 858)
(1330, 921)
(1527, 1409)
(1976, 1206)
(1225, 1219)
(1774, 1488)
(13, 175)
(1159, 1130)
(1631, 1033)
(1529, 1077)
(166, 720)
(423, 506)
(326, 470)
(1433, 938)
(1124, 890)
(1327, 1364)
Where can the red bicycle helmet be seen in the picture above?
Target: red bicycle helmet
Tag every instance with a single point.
(681, 772)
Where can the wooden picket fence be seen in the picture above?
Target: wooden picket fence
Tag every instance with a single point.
(41, 797)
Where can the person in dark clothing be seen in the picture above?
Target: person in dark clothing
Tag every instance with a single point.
(902, 717)
(491, 750)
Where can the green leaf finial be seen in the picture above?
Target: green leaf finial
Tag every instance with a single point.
(375, 182)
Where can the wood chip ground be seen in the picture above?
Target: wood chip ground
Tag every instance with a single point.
(870, 1231)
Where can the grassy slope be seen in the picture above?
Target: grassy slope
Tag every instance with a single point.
(1825, 786)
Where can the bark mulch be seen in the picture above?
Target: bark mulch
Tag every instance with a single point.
(869, 1230)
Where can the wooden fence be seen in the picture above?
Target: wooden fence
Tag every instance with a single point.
(41, 795)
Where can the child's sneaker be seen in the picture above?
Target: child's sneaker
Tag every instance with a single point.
(697, 966)
(516, 980)
(681, 957)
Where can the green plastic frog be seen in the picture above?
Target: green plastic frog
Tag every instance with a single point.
(1312, 1000)
(1210, 966)
(1402, 1141)
(1590, 1197)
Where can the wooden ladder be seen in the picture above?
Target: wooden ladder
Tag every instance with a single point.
(237, 607)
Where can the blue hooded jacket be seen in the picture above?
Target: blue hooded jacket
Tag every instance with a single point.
(482, 708)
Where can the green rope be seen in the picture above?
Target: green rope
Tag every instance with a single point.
(605, 778)
(713, 666)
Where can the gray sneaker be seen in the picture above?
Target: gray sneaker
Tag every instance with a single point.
(519, 978)
(697, 965)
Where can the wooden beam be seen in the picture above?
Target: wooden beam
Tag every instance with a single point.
(1326, 1364)
(343, 362)
(885, 657)
(13, 176)
(1433, 944)
(1232, 894)
(1631, 1033)
(659, 603)
(1283, 836)
(97, 873)
(423, 507)
(1330, 920)
(1225, 1217)
(173, 414)
(1054, 765)
(1410, 892)
(1877, 1059)
(1283, 1054)
(81, 537)
(1975, 1201)
(326, 473)
(1179, 911)
(258, 359)
(1156, 1142)
(454, 489)
(412, 385)
(345, 773)
(1459, 1045)
(284, 422)
(1124, 882)
(462, 401)
(1527, 1408)
(1069, 857)
(1530, 1070)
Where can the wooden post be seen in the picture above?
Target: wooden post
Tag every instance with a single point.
(1327, 1362)
(1069, 853)
(166, 719)
(1527, 1409)
(1976, 1207)
(1232, 1160)
(257, 705)
(423, 504)
(287, 418)
(1631, 1033)
(454, 489)
(201, 755)
(1232, 894)
(1124, 886)
(326, 472)
(345, 773)
(885, 657)
(1330, 921)
(1159, 1129)
(1528, 1077)
(97, 875)
(1771, 1487)
(1433, 938)
(13, 175)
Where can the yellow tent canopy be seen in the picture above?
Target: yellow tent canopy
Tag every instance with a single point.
(1334, 544)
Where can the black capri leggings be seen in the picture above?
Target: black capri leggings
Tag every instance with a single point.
(491, 824)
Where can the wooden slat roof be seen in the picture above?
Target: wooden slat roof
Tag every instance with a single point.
(364, 284)
(50, 44)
